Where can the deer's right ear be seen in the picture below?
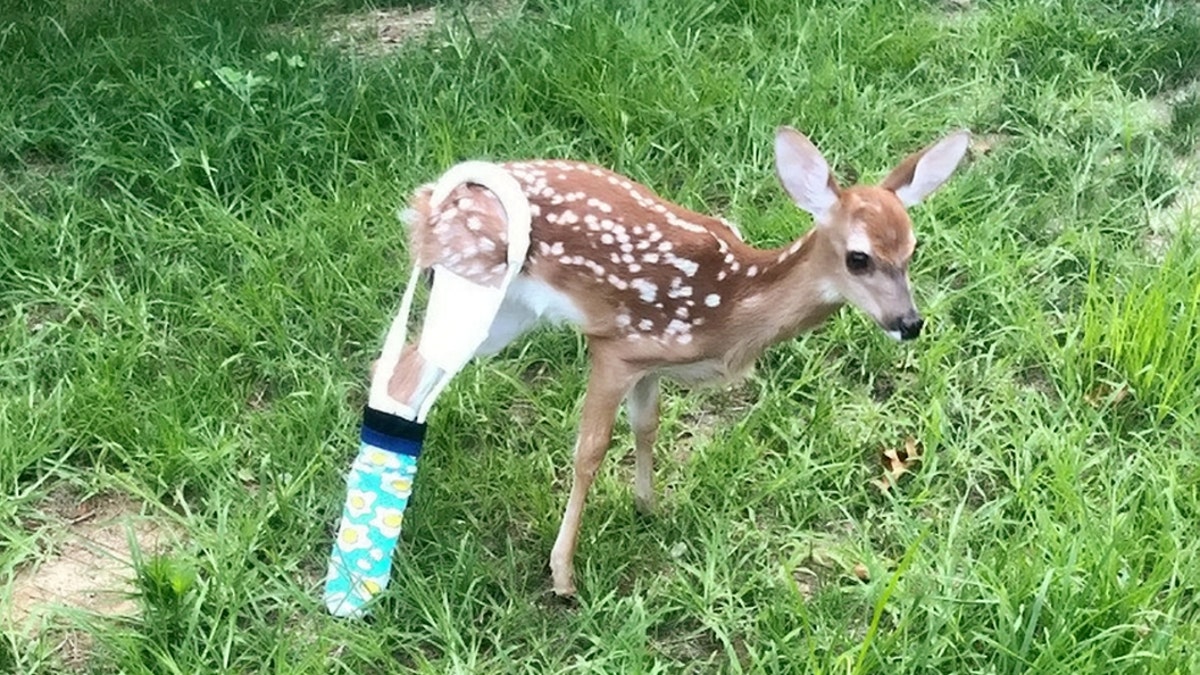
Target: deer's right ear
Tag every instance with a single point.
(804, 173)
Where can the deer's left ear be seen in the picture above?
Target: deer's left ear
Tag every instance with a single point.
(922, 172)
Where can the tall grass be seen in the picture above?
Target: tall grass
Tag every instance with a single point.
(1141, 330)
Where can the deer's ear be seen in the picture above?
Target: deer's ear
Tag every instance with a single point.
(804, 173)
(922, 172)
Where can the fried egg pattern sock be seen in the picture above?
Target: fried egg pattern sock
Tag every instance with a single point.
(377, 490)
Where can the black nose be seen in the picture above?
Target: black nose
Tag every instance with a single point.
(910, 326)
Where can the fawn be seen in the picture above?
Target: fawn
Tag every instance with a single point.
(659, 291)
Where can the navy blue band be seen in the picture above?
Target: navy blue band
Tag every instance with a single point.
(392, 433)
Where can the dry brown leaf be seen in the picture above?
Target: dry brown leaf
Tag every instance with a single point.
(897, 462)
(861, 571)
(1104, 394)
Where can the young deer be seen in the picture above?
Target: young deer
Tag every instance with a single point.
(661, 291)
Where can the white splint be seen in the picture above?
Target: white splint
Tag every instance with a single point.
(460, 313)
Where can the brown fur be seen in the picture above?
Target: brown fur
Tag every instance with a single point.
(885, 221)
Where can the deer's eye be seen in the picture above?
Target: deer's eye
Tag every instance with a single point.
(858, 262)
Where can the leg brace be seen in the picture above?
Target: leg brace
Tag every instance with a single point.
(458, 319)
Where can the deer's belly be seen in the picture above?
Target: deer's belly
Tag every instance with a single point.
(710, 371)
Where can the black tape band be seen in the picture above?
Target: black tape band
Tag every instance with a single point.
(392, 425)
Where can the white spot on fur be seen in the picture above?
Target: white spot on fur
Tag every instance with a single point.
(647, 290)
(685, 224)
(646, 325)
(680, 292)
(677, 326)
(712, 300)
(604, 207)
(684, 265)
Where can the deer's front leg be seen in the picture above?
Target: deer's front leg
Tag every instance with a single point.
(607, 385)
(643, 419)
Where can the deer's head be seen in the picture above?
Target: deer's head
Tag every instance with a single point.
(866, 235)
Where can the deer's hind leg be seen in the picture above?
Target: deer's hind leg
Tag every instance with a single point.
(642, 404)
(467, 240)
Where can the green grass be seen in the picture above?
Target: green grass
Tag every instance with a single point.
(199, 255)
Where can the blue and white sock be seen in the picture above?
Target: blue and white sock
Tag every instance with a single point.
(377, 491)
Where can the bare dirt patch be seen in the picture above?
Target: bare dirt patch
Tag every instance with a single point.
(1184, 209)
(379, 32)
(89, 565)
(717, 409)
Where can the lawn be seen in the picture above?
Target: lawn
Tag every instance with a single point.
(199, 253)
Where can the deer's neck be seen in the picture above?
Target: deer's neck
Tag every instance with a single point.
(793, 295)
